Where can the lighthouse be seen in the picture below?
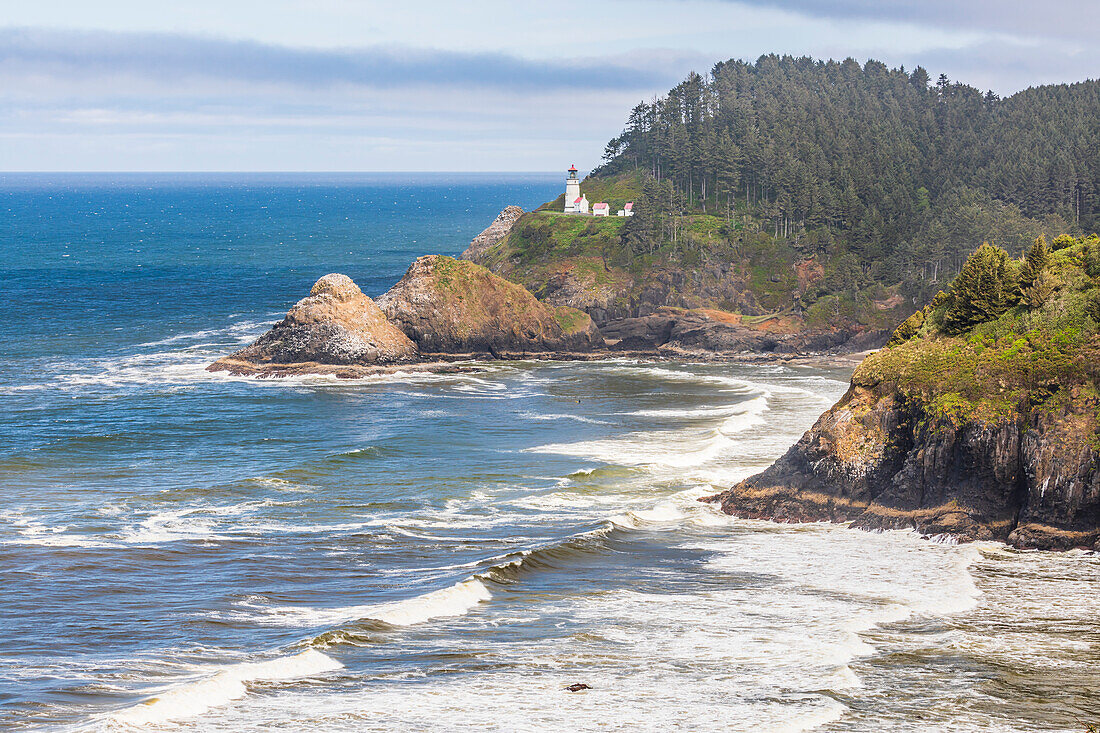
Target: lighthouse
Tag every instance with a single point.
(573, 197)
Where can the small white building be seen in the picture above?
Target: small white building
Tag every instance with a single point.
(601, 209)
(627, 210)
(580, 205)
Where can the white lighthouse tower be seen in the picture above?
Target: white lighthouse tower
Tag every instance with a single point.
(575, 203)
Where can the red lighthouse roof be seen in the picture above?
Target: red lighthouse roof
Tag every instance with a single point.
(573, 169)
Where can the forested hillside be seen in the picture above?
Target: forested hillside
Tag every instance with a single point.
(820, 196)
(903, 175)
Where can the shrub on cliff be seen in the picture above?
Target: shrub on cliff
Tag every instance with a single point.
(1092, 256)
(908, 329)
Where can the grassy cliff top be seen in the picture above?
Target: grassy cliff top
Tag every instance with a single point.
(1006, 337)
(724, 259)
(616, 190)
(545, 235)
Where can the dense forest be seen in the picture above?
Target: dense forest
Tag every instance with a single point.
(888, 176)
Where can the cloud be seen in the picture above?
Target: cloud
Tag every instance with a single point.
(1009, 67)
(1063, 19)
(173, 58)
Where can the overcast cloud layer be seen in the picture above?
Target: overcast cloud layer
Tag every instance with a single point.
(478, 85)
(1053, 19)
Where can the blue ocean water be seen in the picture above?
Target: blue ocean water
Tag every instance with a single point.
(191, 551)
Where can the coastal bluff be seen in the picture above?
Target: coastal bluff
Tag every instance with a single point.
(980, 420)
(440, 310)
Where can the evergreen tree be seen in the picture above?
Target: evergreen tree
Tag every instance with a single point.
(1040, 290)
(980, 293)
(1035, 263)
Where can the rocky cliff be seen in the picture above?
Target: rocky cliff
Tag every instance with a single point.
(607, 268)
(336, 325)
(709, 332)
(454, 306)
(493, 233)
(980, 420)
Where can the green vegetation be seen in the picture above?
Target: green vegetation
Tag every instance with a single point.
(571, 320)
(985, 350)
(611, 251)
(546, 232)
(832, 194)
(447, 270)
(868, 163)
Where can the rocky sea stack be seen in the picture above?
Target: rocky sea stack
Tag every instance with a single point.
(337, 325)
(441, 309)
(980, 420)
(450, 306)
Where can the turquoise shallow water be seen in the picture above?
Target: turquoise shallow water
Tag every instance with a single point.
(189, 551)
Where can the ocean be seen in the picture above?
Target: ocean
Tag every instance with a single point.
(188, 551)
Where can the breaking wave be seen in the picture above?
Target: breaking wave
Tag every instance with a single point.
(195, 698)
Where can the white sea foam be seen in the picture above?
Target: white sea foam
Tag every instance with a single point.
(207, 523)
(655, 662)
(749, 415)
(663, 513)
(243, 331)
(674, 375)
(455, 600)
(194, 698)
(565, 416)
(171, 526)
(670, 449)
(848, 583)
(675, 413)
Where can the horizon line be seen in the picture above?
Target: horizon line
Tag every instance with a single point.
(273, 172)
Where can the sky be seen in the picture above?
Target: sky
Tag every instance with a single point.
(447, 85)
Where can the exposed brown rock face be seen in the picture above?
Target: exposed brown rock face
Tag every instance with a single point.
(615, 296)
(708, 332)
(493, 233)
(335, 325)
(454, 306)
(881, 461)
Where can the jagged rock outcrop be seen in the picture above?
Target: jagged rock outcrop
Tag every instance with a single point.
(985, 430)
(455, 306)
(883, 462)
(493, 233)
(336, 325)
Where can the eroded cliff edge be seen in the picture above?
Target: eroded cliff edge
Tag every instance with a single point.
(980, 420)
(723, 289)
